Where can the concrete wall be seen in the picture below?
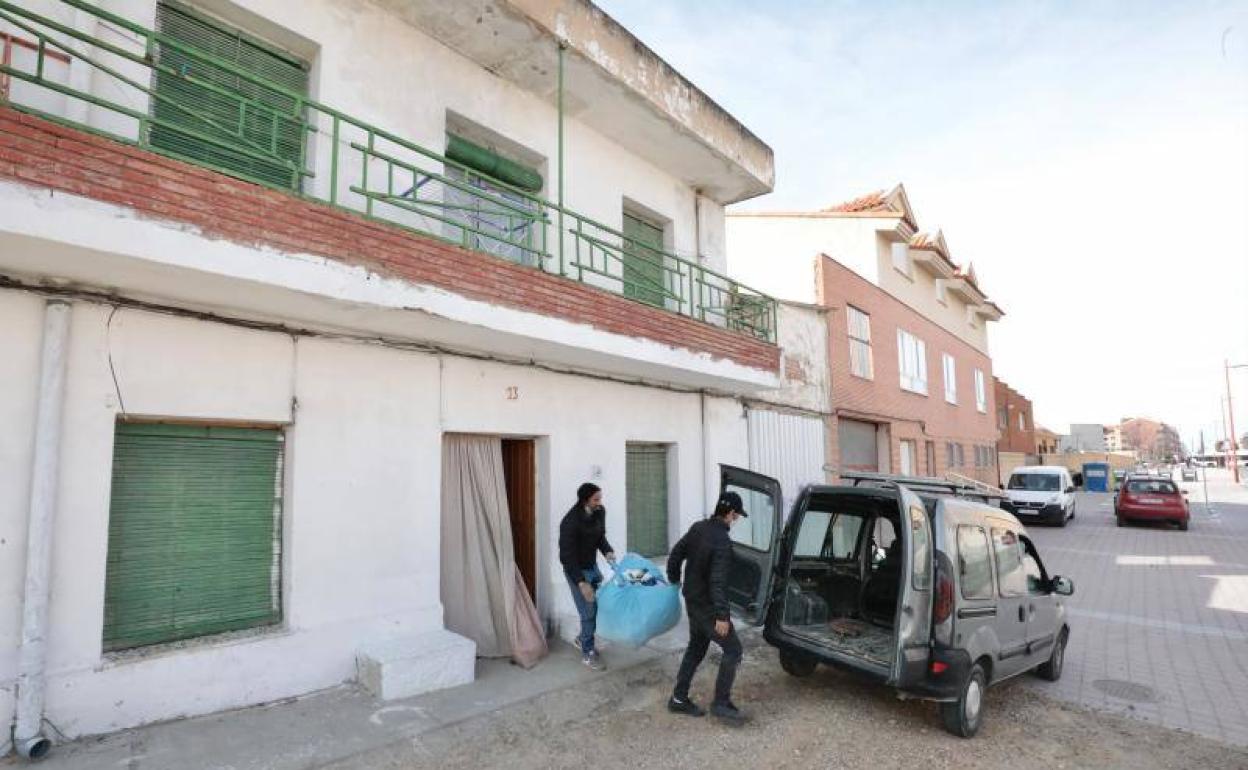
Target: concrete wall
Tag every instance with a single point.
(804, 375)
(776, 253)
(362, 485)
(1073, 461)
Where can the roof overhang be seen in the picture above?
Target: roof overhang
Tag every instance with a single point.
(613, 83)
(934, 263)
(989, 311)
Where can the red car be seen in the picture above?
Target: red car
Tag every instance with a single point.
(1150, 499)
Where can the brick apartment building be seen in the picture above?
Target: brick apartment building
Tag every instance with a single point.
(1017, 429)
(907, 332)
(931, 424)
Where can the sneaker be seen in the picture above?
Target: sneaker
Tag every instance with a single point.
(687, 706)
(593, 661)
(729, 714)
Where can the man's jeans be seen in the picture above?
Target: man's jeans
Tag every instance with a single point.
(588, 611)
(701, 632)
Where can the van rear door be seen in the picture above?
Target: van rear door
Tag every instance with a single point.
(914, 613)
(755, 541)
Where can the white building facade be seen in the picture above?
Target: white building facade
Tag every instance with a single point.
(307, 248)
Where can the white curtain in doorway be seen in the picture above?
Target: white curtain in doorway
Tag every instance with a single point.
(483, 593)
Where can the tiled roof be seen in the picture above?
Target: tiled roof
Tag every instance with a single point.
(892, 201)
(876, 201)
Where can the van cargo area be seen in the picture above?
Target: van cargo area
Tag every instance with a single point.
(843, 585)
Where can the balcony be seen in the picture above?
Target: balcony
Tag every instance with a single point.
(156, 92)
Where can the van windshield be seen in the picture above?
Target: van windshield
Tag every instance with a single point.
(1036, 482)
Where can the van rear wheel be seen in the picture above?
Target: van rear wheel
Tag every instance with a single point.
(963, 716)
(797, 664)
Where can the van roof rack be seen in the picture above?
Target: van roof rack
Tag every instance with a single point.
(959, 487)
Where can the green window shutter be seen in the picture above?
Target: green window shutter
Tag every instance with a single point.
(643, 267)
(646, 484)
(244, 128)
(194, 533)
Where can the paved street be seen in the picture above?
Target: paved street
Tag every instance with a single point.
(1160, 617)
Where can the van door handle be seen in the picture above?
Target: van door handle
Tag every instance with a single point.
(1022, 614)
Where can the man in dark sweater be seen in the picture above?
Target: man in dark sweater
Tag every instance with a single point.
(706, 552)
(582, 534)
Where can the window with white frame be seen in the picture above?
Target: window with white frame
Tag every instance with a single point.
(1022, 421)
(859, 342)
(981, 393)
(912, 362)
(901, 258)
(951, 378)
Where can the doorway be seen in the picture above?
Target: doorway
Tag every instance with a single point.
(520, 480)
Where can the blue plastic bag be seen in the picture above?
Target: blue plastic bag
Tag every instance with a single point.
(637, 603)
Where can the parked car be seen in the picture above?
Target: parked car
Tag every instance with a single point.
(1151, 499)
(1189, 473)
(1044, 493)
(911, 582)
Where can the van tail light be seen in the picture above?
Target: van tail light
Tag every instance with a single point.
(942, 608)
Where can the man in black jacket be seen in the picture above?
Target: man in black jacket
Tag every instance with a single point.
(582, 534)
(706, 550)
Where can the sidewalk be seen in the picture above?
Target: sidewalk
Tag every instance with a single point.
(337, 724)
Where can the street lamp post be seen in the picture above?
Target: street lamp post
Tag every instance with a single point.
(1230, 411)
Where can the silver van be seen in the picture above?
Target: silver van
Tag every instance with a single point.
(919, 583)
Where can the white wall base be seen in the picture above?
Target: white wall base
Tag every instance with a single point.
(407, 666)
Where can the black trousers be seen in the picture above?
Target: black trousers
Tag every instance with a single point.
(701, 633)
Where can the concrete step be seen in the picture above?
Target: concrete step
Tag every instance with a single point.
(407, 666)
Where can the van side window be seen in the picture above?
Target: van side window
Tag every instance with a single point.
(920, 549)
(845, 529)
(1037, 580)
(974, 566)
(813, 534)
(1009, 555)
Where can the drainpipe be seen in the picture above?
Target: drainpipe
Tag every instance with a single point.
(28, 737)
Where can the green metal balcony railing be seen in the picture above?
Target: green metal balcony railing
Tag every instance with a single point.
(149, 89)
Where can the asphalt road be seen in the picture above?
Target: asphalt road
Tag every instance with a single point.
(1159, 617)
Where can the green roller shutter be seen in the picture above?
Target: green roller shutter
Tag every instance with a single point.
(194, 533)
(643, 267)
(646, 484)
(251, 131)
(490, 163)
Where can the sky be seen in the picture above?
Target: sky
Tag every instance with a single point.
(1090, 159)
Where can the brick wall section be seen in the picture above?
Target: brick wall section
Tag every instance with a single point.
(1012, 438)
(49, 155)
(881, 399)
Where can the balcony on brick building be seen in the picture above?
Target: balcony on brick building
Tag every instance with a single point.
(517, 186)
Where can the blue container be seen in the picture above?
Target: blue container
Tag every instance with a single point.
(1096, 477)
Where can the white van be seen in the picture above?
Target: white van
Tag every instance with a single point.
(1042, 493)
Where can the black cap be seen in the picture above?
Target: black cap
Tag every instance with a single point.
(730, 501)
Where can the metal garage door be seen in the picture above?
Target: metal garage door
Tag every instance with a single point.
(788, 447)
(646, 483)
